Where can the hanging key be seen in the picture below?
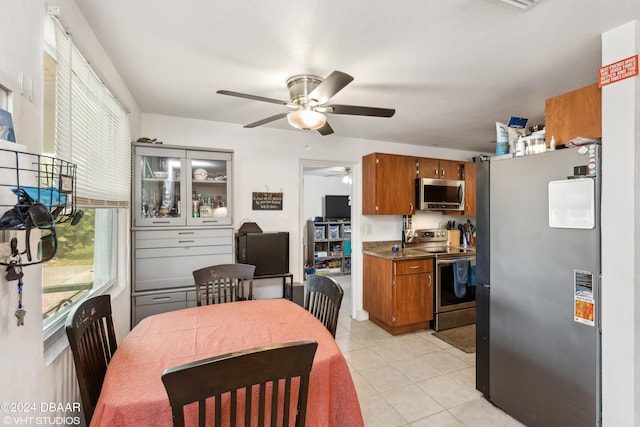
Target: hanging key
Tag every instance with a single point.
(20, 313)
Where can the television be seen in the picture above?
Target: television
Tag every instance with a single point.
(337, 207)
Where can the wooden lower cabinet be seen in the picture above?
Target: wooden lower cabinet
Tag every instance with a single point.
(398, 294)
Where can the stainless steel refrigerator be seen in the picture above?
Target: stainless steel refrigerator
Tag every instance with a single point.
(538, 286)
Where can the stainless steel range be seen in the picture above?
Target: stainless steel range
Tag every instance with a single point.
(450, 311)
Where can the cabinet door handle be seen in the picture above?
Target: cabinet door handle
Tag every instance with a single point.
(435, 172)
(161, 222)
(413, 267)
(186, 241)
(430, 280)
(207, 221)
(442, 172)
(161, 298)
(186, 232)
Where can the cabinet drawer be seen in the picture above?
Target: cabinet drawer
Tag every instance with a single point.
(182, 242)
(182, 251)
(412, 266)
(182, 234)
(142, 311)
(165, 298)
(165, 268)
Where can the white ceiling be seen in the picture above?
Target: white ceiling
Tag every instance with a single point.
(450, 68)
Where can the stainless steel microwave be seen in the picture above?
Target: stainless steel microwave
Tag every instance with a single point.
(439, 194)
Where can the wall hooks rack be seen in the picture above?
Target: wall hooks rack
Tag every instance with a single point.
(36, 191)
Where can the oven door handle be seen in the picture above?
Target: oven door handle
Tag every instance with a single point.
(450, 261)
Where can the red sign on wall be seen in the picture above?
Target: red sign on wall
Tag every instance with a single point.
(617, 71)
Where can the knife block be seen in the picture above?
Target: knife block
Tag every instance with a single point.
(453, 237)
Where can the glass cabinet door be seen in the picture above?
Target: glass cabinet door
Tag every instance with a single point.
(210, 188)
(159, 189)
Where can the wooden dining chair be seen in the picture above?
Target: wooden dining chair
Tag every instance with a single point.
(323, 300)
(223, 283)
(273, 369)
(92, 338)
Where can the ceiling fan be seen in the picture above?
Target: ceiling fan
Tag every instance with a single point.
(309, 102)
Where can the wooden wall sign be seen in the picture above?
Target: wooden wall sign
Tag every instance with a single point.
(266, 201)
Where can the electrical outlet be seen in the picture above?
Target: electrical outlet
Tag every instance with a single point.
(366, 229)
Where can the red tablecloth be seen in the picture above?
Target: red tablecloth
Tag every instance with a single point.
(133, 393)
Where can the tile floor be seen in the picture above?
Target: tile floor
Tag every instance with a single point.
(412, 379)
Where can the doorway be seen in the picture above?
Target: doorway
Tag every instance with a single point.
(320, 179)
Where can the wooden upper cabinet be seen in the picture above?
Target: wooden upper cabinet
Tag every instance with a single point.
(469, 188)
(388, 184)
(573, 114)
(440, 169)
(451, 169)
(428, 168)
(469, 191)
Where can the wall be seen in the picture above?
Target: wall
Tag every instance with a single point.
(620, 206)
(29, 374)
(315, 188)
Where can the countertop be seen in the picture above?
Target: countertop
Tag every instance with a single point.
(382, 249)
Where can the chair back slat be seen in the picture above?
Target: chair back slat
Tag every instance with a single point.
(323, 300)
(220, 378)
(223, 283)
(92, 338)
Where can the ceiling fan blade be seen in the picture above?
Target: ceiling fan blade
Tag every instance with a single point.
(254, 97)
(325, 130)
(356, 110)
(333, 84)
(267, 120)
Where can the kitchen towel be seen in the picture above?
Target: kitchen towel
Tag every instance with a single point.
(460, 277)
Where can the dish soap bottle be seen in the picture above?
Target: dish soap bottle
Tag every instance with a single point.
(552, 144)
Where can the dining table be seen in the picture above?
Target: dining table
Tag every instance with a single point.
(133, 393)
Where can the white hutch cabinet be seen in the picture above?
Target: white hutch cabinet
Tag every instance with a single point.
(182, 221)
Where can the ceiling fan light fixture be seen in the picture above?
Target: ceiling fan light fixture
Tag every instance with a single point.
(306, 119)
(347, 176)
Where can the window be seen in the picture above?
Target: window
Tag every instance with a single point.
(84, 124)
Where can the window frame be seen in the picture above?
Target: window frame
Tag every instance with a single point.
(54, 336)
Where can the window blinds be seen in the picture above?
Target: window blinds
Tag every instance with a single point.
(92, 129)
